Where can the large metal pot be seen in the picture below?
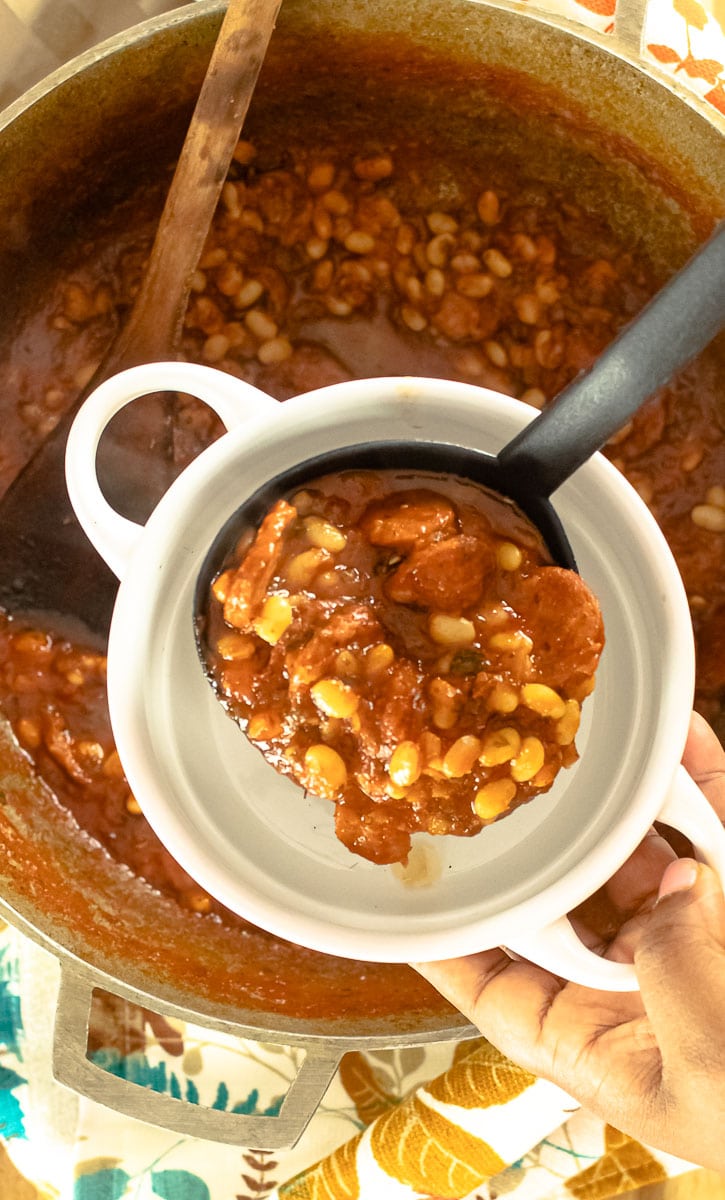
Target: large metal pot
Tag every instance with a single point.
(584, 111)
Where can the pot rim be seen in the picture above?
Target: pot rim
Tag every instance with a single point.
(162, 999)
(623, 43)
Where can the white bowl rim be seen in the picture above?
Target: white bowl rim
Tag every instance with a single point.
(126, 670)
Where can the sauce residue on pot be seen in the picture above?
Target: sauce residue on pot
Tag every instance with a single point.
(400, 643)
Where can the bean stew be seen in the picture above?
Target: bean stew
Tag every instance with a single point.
(402, 645)
(337, 258)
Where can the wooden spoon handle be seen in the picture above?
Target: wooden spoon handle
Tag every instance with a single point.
(154, 326)
(48, 563)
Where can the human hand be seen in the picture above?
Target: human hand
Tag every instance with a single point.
(651, 1063)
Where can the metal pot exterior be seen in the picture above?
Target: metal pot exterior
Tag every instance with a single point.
(123, 108)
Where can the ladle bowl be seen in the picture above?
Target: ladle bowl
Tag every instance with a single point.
(267, 850)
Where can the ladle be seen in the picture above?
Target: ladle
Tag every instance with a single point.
(671, 330)
(47, 562)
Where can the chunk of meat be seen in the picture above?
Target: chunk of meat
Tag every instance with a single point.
(399, 712)
(405, 518)
(373, 832)
(352, 623)
(238, 680)
(252, 577)
(459, 317)
(63, 747)
(449, 575)
(562, 617)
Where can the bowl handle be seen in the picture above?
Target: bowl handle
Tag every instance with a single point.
(233, 400)
(557, 947)
(73, 1068)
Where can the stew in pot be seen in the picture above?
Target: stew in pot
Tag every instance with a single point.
(326, 263)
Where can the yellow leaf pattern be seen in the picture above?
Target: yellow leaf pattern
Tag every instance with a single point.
(481, 1079)
(13, 1185)
(717, 8)
(334, 1178)
(692, 12)
(419, 1147)
(625, 1165)
(463, 1049)
(364, 1085)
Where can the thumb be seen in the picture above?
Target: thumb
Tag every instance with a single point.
(680, 960)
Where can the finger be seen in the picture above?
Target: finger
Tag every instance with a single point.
(543, 1023)
(680, 962)
(507, 1000)
(704, 758)
(634, 887)
(622, 948)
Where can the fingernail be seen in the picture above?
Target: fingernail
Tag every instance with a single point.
(679, 876)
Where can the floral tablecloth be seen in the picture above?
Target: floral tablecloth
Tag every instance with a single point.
(447, 1120)
(394, 1123)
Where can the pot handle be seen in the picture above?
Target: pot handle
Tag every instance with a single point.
(557, 947)
(233, 400)
(73, 1069)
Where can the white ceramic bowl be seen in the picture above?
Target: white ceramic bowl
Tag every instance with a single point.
(252, 838)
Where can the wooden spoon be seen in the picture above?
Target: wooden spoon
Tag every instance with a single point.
(47, 564)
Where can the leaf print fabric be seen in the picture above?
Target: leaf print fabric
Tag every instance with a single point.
(387, 1110)
(11, 1018)
(430, 1154)
(366, 1087)
(441, 1140)
(178, 1185)
(396, 1124)
(263, 1181)
(687, 39)
(625, 1165)
(334, 1178)
(13, 1186)
(108, 1183)
(483, 1078)
(603, 8)
(11, 1113)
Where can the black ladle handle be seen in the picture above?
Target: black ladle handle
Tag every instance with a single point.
(670, 331)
